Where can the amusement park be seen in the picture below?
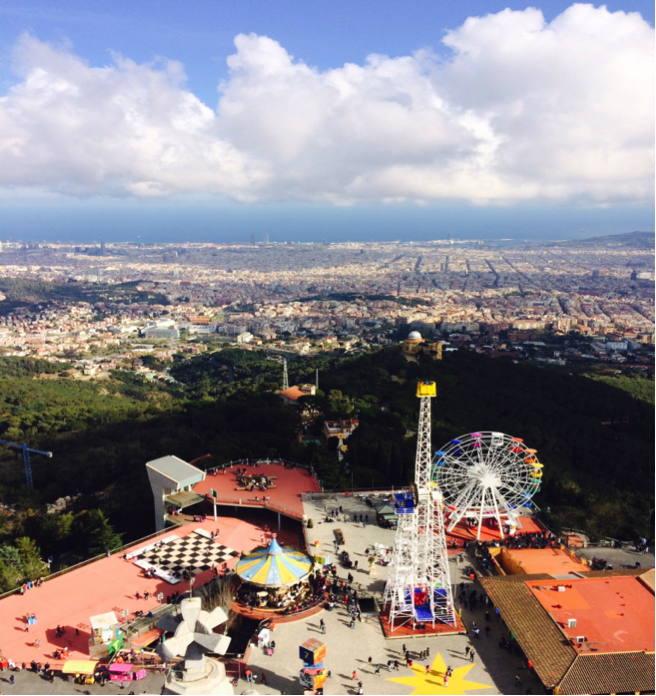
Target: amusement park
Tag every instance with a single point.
(258, 580)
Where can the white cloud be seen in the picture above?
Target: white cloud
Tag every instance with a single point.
(521, 110)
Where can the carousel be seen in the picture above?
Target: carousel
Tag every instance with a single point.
(277, 579)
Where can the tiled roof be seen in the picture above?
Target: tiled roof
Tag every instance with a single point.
(536, 632)
(648, 579)
(610, 673)
(555, 661)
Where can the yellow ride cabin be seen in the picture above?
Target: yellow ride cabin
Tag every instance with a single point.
(426, 389)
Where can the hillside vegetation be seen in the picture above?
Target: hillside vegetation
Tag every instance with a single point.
(595, 439)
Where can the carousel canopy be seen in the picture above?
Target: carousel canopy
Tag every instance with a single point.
(274, 566)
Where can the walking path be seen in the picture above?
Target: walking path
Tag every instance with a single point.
(493, 670)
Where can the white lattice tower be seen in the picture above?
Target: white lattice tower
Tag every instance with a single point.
(444, 606)
(285, 376)
(420, 560)
(425, 553)
(401, 578)
(424, 456)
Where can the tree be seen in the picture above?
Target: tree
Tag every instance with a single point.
(95, 532)
(30, 557)
(339, 404)
(11, 574)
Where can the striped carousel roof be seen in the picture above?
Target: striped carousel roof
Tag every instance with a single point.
(274, 566)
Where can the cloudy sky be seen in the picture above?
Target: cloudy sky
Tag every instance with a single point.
(212, 120)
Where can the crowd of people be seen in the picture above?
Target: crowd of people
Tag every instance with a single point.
(252, 482)
(287, 600)
(29, 584)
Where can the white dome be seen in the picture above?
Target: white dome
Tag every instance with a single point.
(414, 335)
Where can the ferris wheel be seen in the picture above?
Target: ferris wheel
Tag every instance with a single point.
(487, 475)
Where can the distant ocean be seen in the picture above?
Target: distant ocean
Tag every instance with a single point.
(176, 222)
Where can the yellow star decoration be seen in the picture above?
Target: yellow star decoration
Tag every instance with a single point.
(432, 683)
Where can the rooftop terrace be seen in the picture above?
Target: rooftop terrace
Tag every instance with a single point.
(290, 483)
(615, 614)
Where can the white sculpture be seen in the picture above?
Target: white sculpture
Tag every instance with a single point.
(193, 638)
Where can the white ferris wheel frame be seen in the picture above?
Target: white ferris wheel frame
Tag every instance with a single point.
(486, 475)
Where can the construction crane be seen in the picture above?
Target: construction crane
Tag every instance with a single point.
(26, 457)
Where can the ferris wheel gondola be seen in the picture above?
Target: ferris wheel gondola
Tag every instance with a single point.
(487, 475)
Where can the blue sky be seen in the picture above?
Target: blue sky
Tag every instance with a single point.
(126, 119)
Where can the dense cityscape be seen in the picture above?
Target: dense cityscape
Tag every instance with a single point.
(327, 348)
(309, 298)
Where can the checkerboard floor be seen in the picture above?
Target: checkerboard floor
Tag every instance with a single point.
(193, 553)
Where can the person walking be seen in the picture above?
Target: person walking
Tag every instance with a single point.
(467, 651)
(354, 676)
(377, 670)
(322, 625)
(471, 656)
(396, 665)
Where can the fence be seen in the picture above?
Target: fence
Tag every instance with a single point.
(145, 623)
(259, 504)
(59, 573)
(251, 462)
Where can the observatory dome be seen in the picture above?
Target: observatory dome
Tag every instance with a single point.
(414, 335)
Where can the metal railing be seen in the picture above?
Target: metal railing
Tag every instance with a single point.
(110, 552)
(259, 461)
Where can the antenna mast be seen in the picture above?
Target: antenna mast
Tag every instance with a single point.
(285, 376)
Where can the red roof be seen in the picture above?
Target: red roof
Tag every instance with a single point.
(293, 393)
(615, 614)
(290, 484)
(108, 584)
(618, 655)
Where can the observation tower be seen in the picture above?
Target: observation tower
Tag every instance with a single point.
(418, 589)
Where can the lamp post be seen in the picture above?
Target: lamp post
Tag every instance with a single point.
(192, 580)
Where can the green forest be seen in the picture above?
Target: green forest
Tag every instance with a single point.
(594, 437)
(23, 293)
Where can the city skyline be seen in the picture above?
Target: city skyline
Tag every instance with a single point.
(471, 122)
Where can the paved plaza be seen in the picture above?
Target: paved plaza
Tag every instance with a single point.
(360, 649)
(492, 672)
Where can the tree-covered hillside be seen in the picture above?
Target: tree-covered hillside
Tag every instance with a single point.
(595, 439)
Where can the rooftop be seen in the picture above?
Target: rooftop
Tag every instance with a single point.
(106, 585)
(293, 393)
(551, 561)
(290, 483)
(615, 614)
(175, 468)
(615, 644)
